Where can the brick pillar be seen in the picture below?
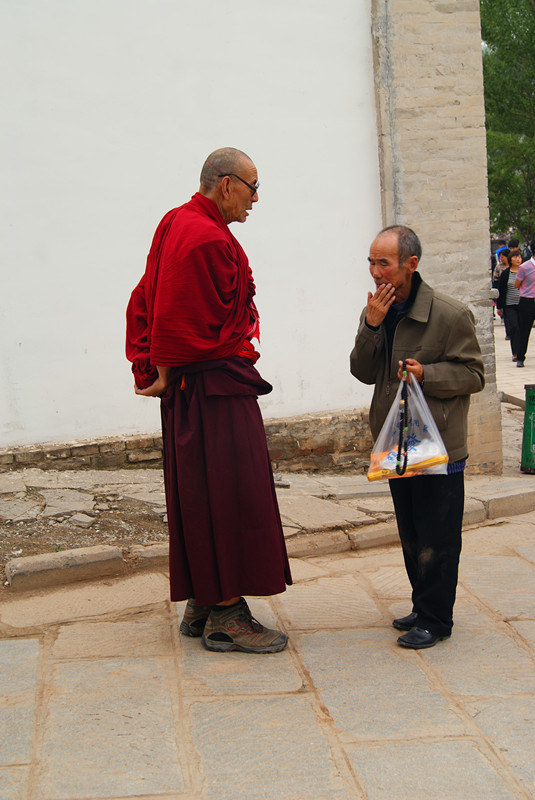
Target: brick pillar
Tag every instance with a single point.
(432, 153)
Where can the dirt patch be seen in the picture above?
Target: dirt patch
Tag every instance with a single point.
(121, 522)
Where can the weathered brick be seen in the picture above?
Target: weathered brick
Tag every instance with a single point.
(29, 456)
(144, 455)
(112, 446)
(140, 443)
(84, 449)
(108, 460)
(54, 453)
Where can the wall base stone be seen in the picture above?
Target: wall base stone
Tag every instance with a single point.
(331, 441)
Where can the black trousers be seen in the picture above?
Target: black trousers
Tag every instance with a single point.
(526, 317)
(510, 318)
(429, 512)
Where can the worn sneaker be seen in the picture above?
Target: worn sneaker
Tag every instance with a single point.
(237, 629)
(194, 618)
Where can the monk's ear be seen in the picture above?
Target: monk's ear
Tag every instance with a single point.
(225, 186)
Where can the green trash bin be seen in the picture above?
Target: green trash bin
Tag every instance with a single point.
(528, 436)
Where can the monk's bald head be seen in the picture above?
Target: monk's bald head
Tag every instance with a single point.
(224, 161)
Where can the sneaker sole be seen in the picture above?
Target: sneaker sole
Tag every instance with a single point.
(227, 647)
(187, 630)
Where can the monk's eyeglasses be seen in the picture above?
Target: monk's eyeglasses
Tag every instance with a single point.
(253, 187)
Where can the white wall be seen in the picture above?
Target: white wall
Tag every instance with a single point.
(109, 108)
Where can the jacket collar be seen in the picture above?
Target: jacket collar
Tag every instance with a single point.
(421, 308)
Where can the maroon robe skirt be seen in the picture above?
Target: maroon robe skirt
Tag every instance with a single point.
(225, 532)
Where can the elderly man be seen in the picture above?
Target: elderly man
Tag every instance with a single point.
(190, 322)
(406, 320)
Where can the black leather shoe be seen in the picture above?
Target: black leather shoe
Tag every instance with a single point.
(419, 638)
(405, 623)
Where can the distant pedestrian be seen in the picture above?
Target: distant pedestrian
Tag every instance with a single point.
(525, 282)
(502, 264)
(525, 252)
(508, 300)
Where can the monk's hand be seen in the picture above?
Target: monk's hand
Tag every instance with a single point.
(379, 303)
(156, 389)
(159, 386)
(413, 368)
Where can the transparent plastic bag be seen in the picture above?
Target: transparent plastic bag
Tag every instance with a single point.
(409, 442)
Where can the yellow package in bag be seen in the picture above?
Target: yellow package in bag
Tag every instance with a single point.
(409, 442)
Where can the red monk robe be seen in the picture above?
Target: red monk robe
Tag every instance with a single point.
(193, 310)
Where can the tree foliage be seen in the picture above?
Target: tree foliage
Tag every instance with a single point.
(508, 30)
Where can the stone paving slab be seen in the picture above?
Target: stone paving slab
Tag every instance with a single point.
(485, 661)
(306, 569)
(14, 783)
(269, 756)
(391, 581)
(372, 676)
(327, 603)
(506, 583)
(344, 487)
(367, 561)
(19, 510)
(527, 552)
(152, 494)
(84, 479)
(510, 722)
(314, 514)
(65, 501)
(78, 602)
(18, 680)
(442, 769)
(372, 504)
(11, 482)
(526, 628)
(501, 537)
(139, 637)
(110, 729)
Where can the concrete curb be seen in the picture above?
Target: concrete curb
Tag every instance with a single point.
(91, 563)
(68, 566)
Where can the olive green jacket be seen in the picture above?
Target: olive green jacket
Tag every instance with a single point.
(439, 332)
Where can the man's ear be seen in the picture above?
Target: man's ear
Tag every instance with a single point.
(412, 263)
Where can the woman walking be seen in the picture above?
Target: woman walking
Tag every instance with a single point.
(508, 299)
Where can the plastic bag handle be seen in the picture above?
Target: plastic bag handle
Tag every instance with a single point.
(401, 462)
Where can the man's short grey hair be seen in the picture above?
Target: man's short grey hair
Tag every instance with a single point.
(408, 243)
(221, 162)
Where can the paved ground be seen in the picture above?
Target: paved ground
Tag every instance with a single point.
(100, 696)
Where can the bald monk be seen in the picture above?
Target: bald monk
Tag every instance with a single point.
(190, 324)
